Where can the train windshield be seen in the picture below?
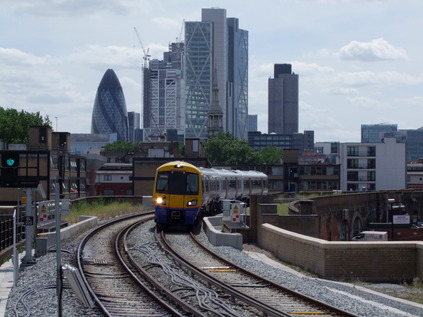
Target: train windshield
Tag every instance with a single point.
(177, 183)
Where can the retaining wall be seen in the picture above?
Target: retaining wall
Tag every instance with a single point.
(72, 231)
(367, 261)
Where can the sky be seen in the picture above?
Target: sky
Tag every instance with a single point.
(358, 61)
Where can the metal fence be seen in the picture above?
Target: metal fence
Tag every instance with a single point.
(6, 229)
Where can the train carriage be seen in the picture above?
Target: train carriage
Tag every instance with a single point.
(183, 191)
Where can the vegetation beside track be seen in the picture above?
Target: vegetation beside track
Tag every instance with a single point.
(102, 210)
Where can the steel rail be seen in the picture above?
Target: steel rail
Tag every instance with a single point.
(267, 310)
(178, 302)
(316, 302)
(101, 305)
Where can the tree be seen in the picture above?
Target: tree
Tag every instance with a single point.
(120, 146)
(225, 149)
(14, 125)
(270, 155)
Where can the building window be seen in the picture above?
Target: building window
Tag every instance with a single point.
(371, 163)
(352, 163)
(352, 176)
(107, 177)
(352, 150)
(371, 151)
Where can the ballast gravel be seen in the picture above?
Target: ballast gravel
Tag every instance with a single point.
(35, 293)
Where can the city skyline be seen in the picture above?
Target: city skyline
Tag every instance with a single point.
(357, 66)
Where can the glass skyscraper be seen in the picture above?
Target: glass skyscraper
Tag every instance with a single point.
(217, 46)
(109, 112)
(237, 102)
(198, 77)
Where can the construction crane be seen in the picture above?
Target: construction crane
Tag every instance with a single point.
(146, 55)
(179, 38)
(160, 135)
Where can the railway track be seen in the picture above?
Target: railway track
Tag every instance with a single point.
(114, 285)
(269, 298)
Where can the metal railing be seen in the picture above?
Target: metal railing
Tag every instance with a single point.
(6, 230)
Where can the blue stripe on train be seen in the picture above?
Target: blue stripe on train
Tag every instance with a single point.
(164, 217)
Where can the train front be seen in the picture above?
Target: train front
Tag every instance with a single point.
(177, 194)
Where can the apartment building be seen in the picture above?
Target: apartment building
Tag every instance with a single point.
(373, 166)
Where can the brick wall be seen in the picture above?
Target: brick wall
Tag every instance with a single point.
(365, 261)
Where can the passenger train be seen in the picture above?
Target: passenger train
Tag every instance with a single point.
(182, 191)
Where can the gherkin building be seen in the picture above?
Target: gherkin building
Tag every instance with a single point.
(109, 112)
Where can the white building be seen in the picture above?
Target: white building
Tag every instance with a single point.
(373, 166)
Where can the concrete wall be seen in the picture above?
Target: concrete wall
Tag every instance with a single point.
(366, 261)
(391, 261)
(211, 226)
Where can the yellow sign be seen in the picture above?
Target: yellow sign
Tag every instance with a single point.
(23, 200)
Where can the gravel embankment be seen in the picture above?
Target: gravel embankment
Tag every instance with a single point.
(36, 287)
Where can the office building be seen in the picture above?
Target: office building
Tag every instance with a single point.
(164, 95)
(237, 102)
(372, 133)
(86, 143)
(216, 47)
(298, 141)
(252, 123)
(134, 119)
(414, 140)
(283, 101)
(109, 112)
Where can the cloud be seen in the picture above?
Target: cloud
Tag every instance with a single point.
(375, 50)
(60, 8)
(368, 103)
(12, 57)
(168, 23)
(107, 56)
(364, 78)
(341, 91)
(303, 68)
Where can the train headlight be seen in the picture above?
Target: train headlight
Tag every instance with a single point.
(192, 202)
(160, 200)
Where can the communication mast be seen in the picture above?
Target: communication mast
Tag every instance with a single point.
(146, 57)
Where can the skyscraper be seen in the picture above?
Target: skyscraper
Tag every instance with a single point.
(283, 100)
(216, 43)
(198, 77)
(133, 125)
(237, 103)
(164, 95)
(109, 112)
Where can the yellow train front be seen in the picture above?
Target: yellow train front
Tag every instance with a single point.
(177, 194)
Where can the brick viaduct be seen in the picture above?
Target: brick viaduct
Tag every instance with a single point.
(316, 235)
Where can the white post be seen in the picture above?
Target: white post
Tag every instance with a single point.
(15, 251)
(28, 259)
(58, 250)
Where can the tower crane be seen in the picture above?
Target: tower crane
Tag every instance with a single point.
(146, 55)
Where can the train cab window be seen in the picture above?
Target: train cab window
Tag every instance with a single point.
(192, 184)
(162, 182)
(177, 183)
